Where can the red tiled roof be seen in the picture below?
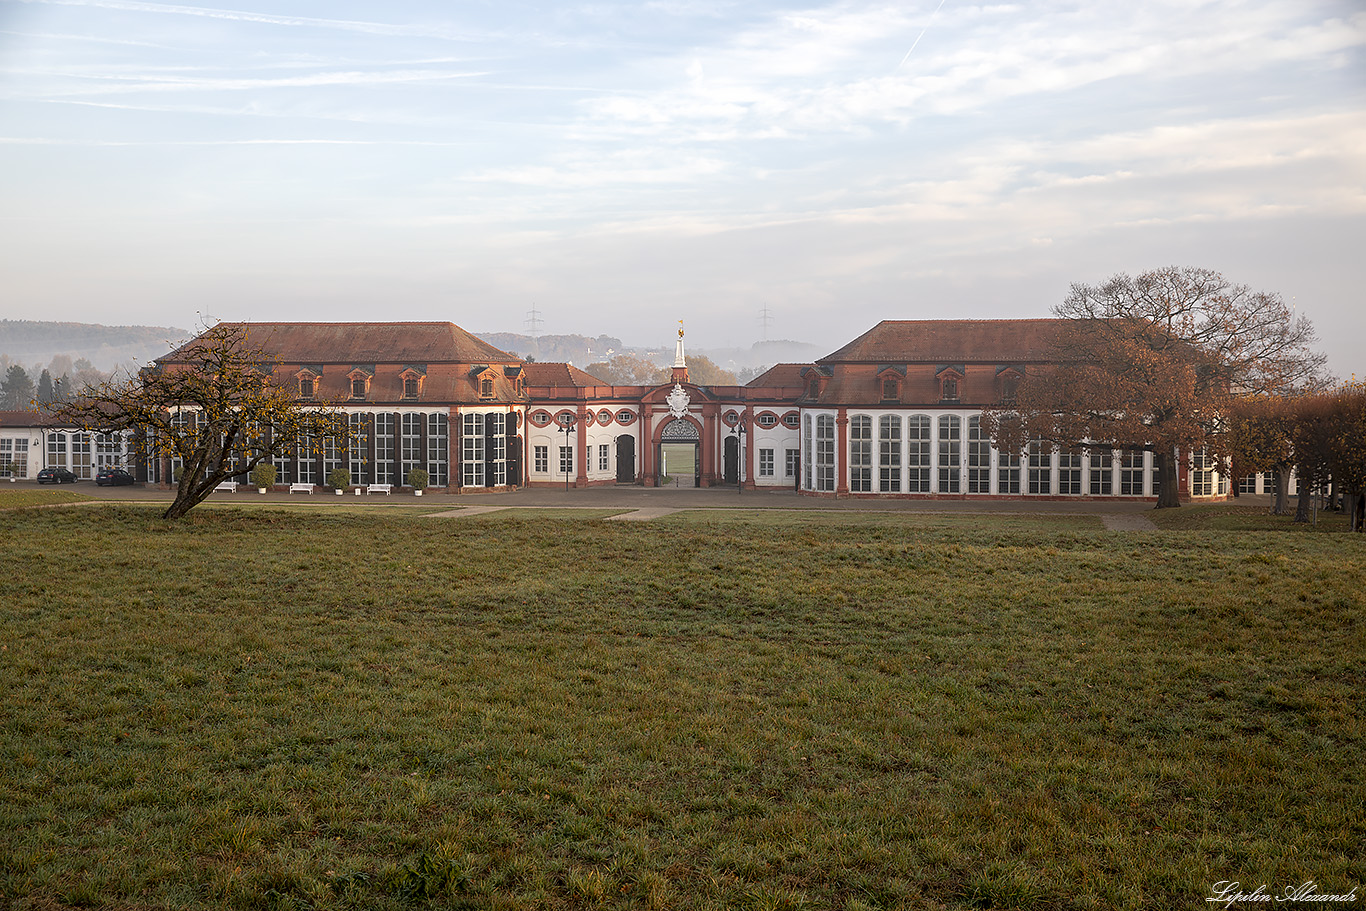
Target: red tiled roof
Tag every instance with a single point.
(362, 343)
(552, 374)
(780, 375)
(1001, 341)
(24, 419)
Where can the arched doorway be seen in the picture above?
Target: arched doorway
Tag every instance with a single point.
(680, 454)
(626, 459)
(731, 461)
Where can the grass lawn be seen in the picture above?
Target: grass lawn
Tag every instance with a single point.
(283, 708)
(19, 498)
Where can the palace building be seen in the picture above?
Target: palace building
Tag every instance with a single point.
(894, 413)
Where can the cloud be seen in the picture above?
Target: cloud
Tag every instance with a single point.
(369, 28)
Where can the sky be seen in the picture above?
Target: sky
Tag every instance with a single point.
(756, 169)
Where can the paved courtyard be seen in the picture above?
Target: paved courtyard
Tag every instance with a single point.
(642, 503)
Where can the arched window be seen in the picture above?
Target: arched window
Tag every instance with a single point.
(825, 453)
(979, 458)
(950, 452)
(889, 453)
(861, 454)
(918, 454)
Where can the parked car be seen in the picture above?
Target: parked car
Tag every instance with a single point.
(114, 476)
(56, 476)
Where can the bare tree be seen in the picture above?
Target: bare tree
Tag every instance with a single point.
(1153, 361)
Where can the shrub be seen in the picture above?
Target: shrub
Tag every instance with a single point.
(417, 479)
(263, 475)
(340, 478)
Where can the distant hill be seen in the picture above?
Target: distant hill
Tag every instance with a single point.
(568, 349)
(33, 342)
(580, 350)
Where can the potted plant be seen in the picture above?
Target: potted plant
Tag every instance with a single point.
(263, 476)
(339, 479)
(417, 480)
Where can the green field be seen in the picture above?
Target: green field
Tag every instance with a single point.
(294, 708)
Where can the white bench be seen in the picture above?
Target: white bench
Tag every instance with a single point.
(227, 487)
(385, 489)
(301, 488)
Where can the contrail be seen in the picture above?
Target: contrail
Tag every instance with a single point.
(922, 33)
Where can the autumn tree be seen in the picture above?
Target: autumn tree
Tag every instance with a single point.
(214, 404)
(703, 371)
(1347, 449)
(628, 370)
(1256, 436)
(1154, 361)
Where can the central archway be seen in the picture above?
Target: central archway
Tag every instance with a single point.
(680, 454)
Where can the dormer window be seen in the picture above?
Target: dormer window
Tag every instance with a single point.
(412, 387)
(950, 378)
(1008, 383)
(486, 387)
(889, 388)
(359, 377)
(306, 387)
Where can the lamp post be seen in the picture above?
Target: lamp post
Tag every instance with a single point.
(739, 431)
(567, 424)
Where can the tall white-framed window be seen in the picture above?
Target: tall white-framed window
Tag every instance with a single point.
(604, 457)
(1040, 467)
(566, 460)
(333, 455)
(950, 452)
(791, 459)
(540, 459)
(979, 457)
(1007, 472)
(1102, 472)
(1069, 471)
(1131, 472)
(889, 453)
(307, 457)
(825, 453)
(359, 464)
(861, 454)
(410, 444)
(283, 460)
(918, 454)
(438, 449)
(1202, 474)
(472, 450)
(497, 426)
(385, 448)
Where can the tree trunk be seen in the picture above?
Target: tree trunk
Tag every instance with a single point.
(1279, 498)
(1358, 511)
(1305, 498)
(1167, 494)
